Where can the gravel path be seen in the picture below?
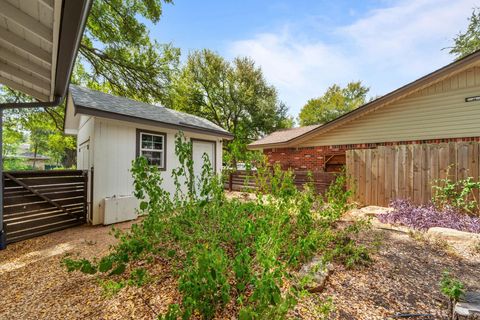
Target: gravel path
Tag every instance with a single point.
(403, 278)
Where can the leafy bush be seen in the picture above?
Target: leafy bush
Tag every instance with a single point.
(15, 164)
(456, 194)
(427, 216)
(227, 251)
(451, 288)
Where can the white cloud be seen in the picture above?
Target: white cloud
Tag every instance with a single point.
(386, 48)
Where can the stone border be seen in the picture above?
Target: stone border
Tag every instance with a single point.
(447, 234)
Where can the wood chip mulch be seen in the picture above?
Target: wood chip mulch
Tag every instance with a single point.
(403, 277)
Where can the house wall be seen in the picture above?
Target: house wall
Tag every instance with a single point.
(314, 158)
(435, 114)
(113, 146)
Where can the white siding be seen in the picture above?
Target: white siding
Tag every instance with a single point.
(85, 134)
(114, 148)
(438, 111)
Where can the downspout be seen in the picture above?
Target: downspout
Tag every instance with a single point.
(3, 106)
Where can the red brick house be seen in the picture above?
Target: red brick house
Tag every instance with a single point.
(442, 106)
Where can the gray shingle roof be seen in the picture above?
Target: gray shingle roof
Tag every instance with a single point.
(103, 102)
(283, 135)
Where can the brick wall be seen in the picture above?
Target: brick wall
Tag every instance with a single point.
(313, 158)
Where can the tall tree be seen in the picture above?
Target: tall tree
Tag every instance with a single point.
(468, 41)
(117, 55)
(233, 95)
(43, 126)
(335, 102)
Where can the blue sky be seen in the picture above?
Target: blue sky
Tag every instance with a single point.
(305, 46)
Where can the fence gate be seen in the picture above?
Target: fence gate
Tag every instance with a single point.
(40, 202)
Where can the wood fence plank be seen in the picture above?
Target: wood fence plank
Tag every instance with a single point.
(356, 175)
(375, 177)
(381, 176)
(368, 176)
(426, 193)
(462, 156)
(434, 172)
(388, 174)
(394, 194)
(417, 174)
(361, 177)
(473, 165)
(452, 161)
(402, 177)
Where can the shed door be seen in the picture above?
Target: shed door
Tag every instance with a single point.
(201, 147)
(84, 156)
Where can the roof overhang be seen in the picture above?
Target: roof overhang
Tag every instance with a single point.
(408, 89)
(39, 41)
(73, 112)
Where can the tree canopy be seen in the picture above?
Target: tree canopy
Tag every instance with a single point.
(468, 41)
(117, 55)
(42, 128)
(335, 102)
(233, 95)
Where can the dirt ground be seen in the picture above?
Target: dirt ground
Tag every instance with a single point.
(404, 278)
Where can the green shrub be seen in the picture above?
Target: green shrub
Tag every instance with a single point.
(204, 282)
(456, 194)
(450, 287)
(227, 251)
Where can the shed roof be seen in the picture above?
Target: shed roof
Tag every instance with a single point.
(96, 103)
(284, 135)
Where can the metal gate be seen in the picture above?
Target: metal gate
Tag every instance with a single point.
(40, 202)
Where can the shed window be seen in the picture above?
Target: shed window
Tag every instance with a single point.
(152, 147)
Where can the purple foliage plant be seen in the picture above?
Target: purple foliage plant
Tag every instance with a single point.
(427, 216)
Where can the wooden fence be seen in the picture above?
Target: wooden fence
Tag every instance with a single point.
(39, 202)
(242, 180)
(407, 171)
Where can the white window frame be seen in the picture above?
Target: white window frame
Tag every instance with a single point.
(162, 151)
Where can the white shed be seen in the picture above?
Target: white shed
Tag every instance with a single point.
(112, 131)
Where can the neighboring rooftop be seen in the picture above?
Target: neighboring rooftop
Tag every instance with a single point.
(97, 103)
(285, 135)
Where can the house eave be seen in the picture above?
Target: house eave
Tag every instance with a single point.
(41, 72)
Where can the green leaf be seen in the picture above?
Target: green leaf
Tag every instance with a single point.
(105, 264)
(119, 269)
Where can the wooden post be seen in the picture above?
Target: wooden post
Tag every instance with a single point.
(85, 195)
(230, 182)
